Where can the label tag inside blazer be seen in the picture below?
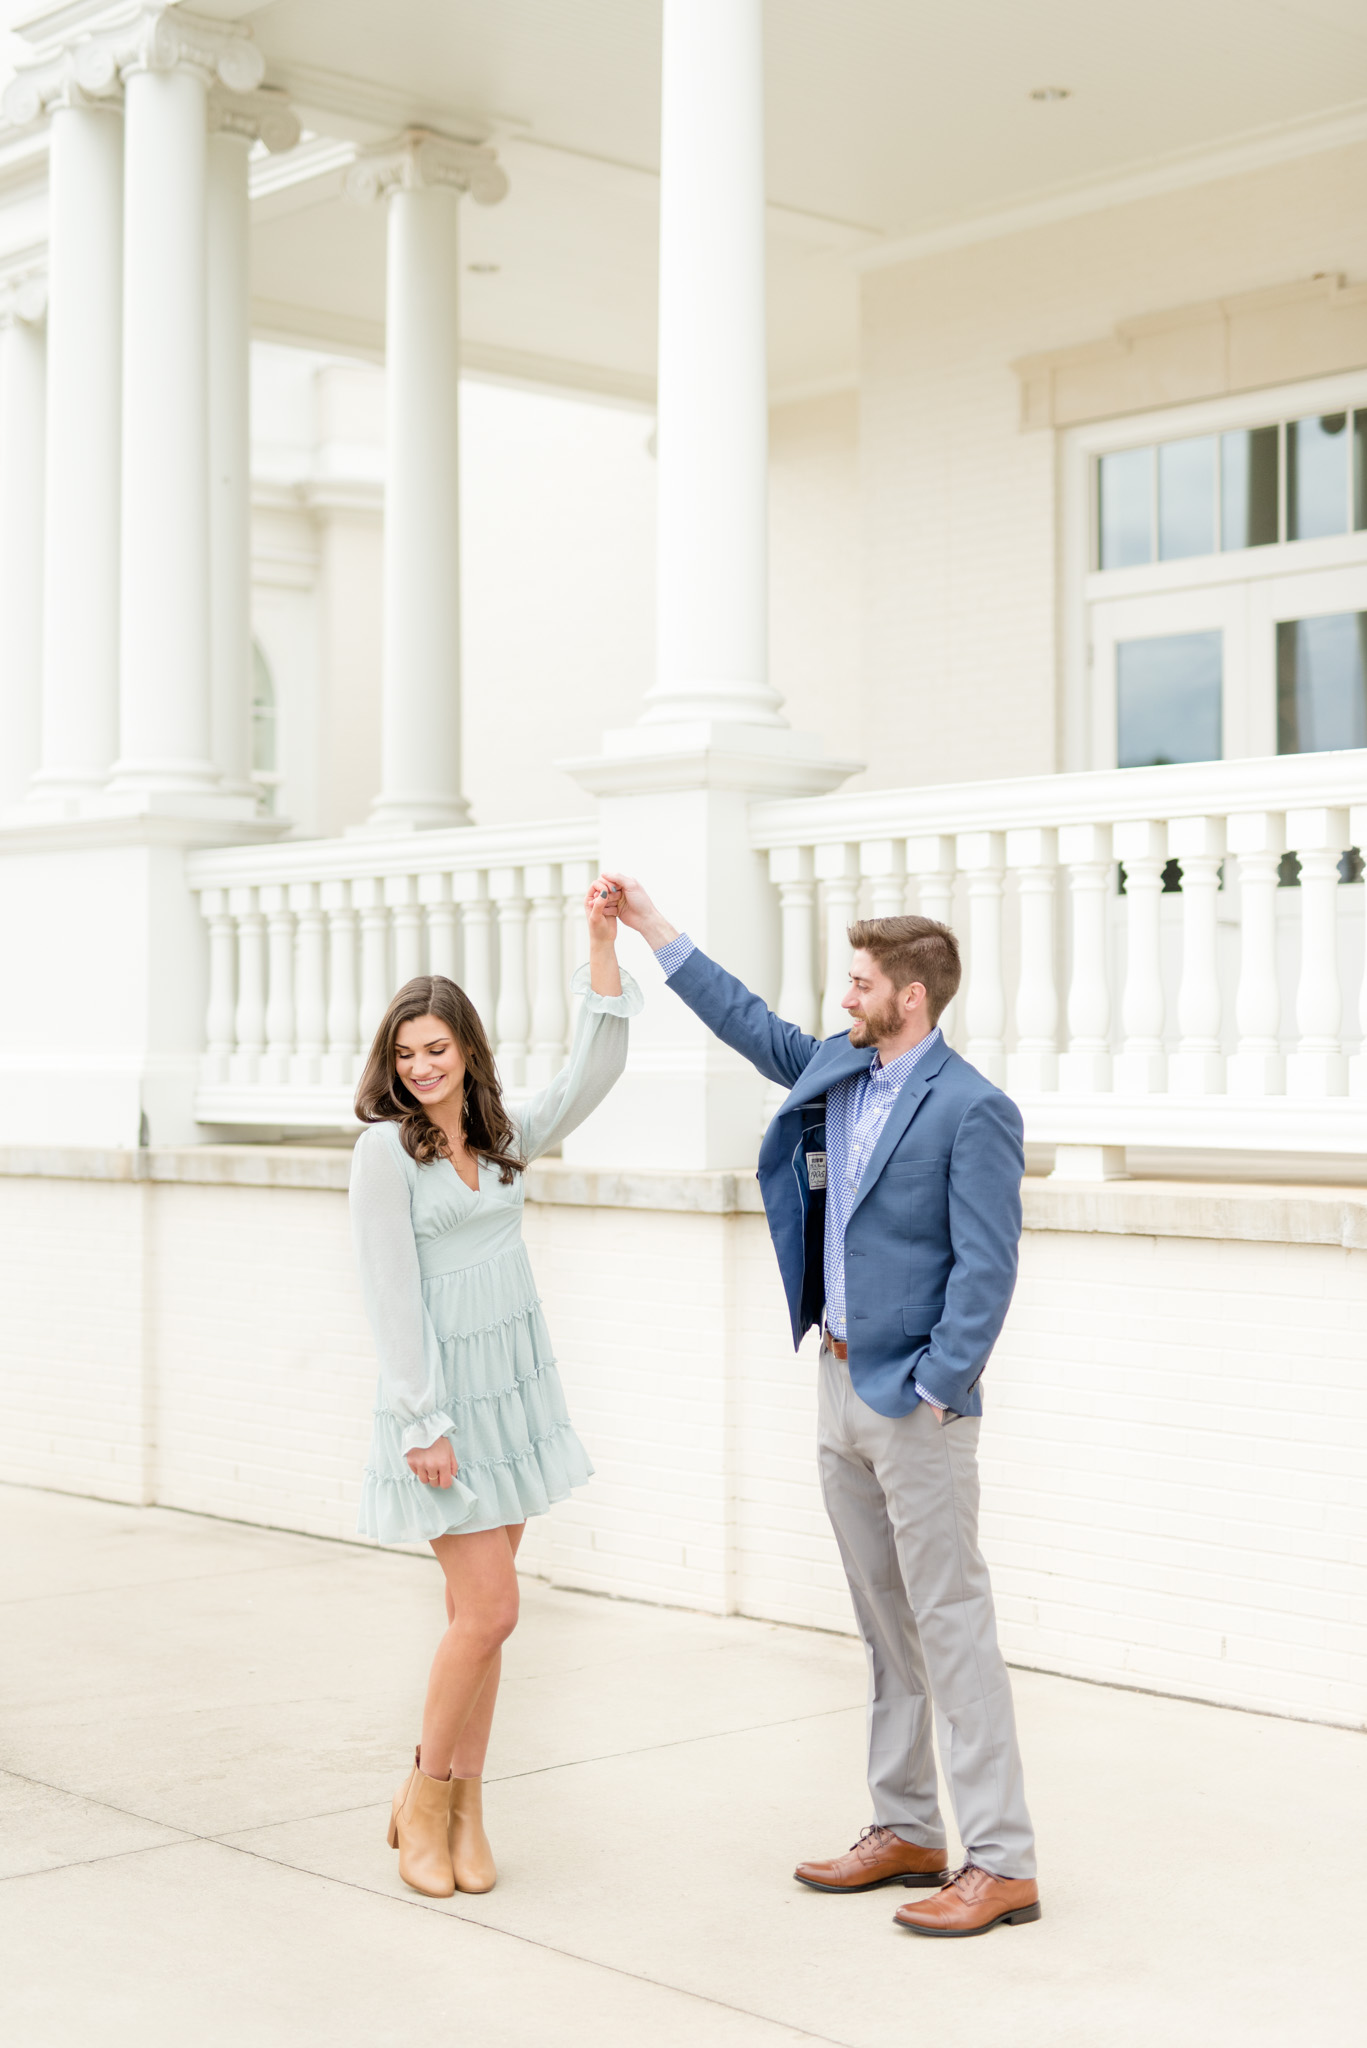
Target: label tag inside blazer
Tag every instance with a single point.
(816, 1171)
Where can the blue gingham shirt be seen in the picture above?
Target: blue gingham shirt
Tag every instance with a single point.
(856, 1111)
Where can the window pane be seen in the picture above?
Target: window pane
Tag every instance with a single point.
(1317, 476)
(1322, 683)
(1168, 699)
(1248, 488)
(1125, 491)
(1186, 498)
(1359, 471)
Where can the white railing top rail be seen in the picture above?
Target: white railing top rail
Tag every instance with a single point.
(1276, 782)
(360, 856)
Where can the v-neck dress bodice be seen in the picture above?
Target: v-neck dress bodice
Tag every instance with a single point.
(463, 1346)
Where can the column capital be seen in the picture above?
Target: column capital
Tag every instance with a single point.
(92, 49)
(419, 159)
(261, 116)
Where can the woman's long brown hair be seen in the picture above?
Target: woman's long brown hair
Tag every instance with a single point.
(382, 1098)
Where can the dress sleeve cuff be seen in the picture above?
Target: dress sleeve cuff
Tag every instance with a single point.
(629, 1004)
(422, 1434)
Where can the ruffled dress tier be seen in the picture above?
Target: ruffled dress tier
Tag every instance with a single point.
(463, 1346)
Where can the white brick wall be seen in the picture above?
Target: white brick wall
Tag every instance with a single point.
(1174, 1456)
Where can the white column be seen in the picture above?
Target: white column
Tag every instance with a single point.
(81, 514)
(377, 986)
(235, 122)
(1085, 850)
(981, 856)
(434, 893)
(310, 983)
(547, 1053)
(250, 1023)
(342, 1027)
(1318, 1065)
(471, 890)
(1141, 1068)
(1257, 1067)
(792, 872)
(220, 1012)
(712, 577)
(1357, 1065)
(422, 178)
(932, 861)
(883, 865)
(1032, 855)
(22, 378)
(406, 916)
(511, 1016)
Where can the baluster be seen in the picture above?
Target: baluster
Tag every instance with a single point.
(1318, 1066)
(883, 863)
(792, 871)
(547, 1054)
(931, 861)
(1258, 1067)
(1198, 1067)
(275, 1067)
(434, 894)
(980, 856)
(510, 1015)
(367, 895)
(311, 987)
(343, 1027)
(837, 869)
(250, 1031)
(1141, 1069)
(1032, 855)
(575, 877)
(401, 897)
(219, 1022)
(1085, 851)
(1357, 1065)
(470, 888)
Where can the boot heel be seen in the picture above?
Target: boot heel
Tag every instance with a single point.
(1021, 1915)
(393, 1836)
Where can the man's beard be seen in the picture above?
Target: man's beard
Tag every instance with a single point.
(884, 1022)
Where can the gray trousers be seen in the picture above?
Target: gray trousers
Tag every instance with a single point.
(902, 1495)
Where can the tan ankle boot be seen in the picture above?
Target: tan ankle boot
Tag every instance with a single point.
(472, 1860)
(420, 1829)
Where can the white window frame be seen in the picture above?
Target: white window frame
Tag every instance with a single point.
(1088, 728)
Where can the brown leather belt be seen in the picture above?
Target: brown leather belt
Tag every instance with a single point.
(836, 1345)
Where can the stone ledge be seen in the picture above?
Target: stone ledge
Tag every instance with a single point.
(1255, 1212)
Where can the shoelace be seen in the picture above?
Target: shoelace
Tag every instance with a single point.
(870, 1839)
(964, 1870)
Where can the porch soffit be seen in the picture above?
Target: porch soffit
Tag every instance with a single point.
(1314, 327)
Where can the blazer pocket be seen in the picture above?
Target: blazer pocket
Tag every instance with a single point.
(920, 1317)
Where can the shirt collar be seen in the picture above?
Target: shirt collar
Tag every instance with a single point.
(899, 1068)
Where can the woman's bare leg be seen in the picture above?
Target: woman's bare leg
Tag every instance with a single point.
(467, 1760)
(482, 1589)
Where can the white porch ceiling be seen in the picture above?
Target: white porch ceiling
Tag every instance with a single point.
(887, 120)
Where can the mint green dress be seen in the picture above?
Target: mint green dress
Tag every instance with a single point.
(463, 1346)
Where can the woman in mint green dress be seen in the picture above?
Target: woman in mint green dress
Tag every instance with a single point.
(471, 1432)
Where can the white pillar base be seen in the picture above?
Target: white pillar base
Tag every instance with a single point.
(1085, 1073)
(1255, 1074)
(1139, 1073)
(1311, 1074)
(1089, 1162)
(1196, 1073)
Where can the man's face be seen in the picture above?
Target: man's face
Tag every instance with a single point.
(876, 1010)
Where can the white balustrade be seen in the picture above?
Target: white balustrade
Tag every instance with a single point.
(1216, 1008)
(308, 943)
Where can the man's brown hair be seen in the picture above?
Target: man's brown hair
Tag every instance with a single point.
(913, 949)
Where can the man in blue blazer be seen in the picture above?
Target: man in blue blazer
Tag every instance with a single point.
(891, 1180)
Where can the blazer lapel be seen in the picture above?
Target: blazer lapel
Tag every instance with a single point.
(835, 1060)
(903, 1110)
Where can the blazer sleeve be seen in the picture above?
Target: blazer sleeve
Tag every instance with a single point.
(391, 1284)
(742, 1020)
(985, 1170)
(595, 1064)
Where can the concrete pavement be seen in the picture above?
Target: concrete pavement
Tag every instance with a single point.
(203, 1723)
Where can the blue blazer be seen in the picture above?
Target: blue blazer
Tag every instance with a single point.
(932, 1242)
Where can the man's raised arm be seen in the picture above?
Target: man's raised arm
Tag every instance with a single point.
(739, 1018)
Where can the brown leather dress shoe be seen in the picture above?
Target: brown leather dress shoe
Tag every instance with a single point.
(878, 1857)
(971, 1902)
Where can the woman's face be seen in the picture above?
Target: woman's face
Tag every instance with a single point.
(429, 1062)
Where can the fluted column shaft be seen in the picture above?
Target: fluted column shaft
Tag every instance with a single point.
(22, 378)
(80, 693)
(712, 559)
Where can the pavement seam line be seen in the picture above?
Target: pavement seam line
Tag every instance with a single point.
(187, 1579)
